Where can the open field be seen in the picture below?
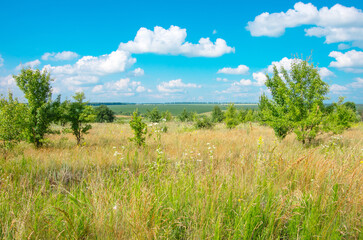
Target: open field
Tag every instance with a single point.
(187, 184)
(175, 109)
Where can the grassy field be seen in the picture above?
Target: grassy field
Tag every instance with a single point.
(175, 109)
(185, 184)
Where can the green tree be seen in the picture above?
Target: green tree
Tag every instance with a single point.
(231, 116)
(203, 122)
(104, 114)
(340, 117)
(217, 114)
(186, 116)
(139, 128)
(13, 120)
(79, 114)
(297, 101)
(167, 116)
(154, 115)
(38, 91)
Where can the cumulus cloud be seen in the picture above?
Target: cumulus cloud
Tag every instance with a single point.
(358, 83)
(7, 81)
(116, 61)
(172, 41)
(337, 89)
(337, 24)
(260, 78)
(138, 72)
(124, 87)
(350, 61)
(175, 86)
(30, 64)
(60, 56)
(325, 73)
(284, 62)
(1, 61)
(343, 46)
(241, 69)
(221, 79)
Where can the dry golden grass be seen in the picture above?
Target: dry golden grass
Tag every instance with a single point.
(220, 183)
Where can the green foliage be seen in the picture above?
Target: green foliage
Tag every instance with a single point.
(186, 116)
(351, 105)
(297, 101)
(139, 128)
(13, 119)
(231, 116)
(79, 114)
(248, 115)
(217, 114)
(167, 116)
(341, 116)
(203, 122)
(38, 91)
(154, 115)
(104, 114)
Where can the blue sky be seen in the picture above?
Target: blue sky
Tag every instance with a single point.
(166, 51)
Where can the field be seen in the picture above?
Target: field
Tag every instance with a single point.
(185, 184)
(175, 109)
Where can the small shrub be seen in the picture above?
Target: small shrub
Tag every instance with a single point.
(154, 115)
(217, 114)
(139, 128)
(203, 122)
(104, 114)
(231, 116)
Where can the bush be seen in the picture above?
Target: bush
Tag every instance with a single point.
(79, 114)
(187, 116)
(231, 116)
(167, 116)
(217, 114)
(104, 114)
(297, 101)
(154, 115)
(13, 120)
(38, 91)
(203, 122)
(139, 128)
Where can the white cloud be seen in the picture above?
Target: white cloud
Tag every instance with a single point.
(30, 64)
(116, 61)
(175, 86)
(60, 56)
(138, 72)
(1, 61)
(343, 46)
(358, 83)
(221, 79)
(172, 41)
(241, 69)
(337, 24)
(7, 81)
(285, 63)
(79, 80)
(124, 87)
(349, 61)
(325, 73)
(97, 88)
(242, 82)
(336, 89)
(274, 24)
(260, 78)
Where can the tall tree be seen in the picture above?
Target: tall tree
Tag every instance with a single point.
(79, 114)
(297, 101)
(37, 90)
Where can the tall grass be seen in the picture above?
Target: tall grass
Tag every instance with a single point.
(205, 184)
